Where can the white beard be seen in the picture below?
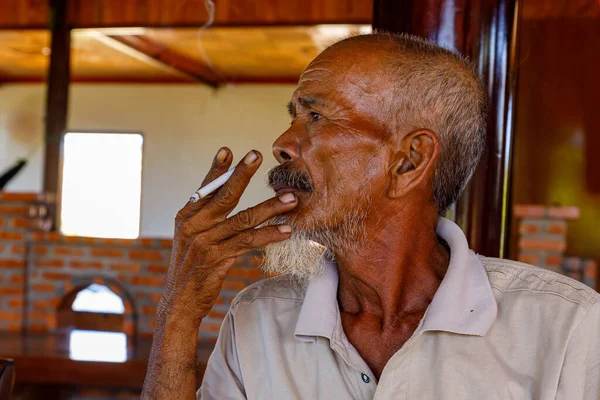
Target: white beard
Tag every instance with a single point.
(298, 257)
(306, 252)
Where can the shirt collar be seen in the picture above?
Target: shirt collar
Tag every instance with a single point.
(464, 303)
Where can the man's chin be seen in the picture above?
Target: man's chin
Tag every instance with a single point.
(297, 257)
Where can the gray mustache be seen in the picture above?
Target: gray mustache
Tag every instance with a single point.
(286, 175)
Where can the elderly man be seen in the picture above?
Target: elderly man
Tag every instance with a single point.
(386, 131)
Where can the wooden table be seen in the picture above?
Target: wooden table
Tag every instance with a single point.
(43, 359)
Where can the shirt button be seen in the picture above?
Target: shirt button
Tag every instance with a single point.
(365, 378)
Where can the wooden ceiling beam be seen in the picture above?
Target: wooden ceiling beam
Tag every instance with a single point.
(172, 59)
(140, 55)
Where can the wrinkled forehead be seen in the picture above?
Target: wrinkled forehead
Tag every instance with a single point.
(350, 78)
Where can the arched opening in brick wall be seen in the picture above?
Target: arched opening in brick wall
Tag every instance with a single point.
(91, 308)
(98, 316)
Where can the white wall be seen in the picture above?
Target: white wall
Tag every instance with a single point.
(183, 126)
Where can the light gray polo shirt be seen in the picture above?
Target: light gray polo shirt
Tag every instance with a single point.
(495, 329)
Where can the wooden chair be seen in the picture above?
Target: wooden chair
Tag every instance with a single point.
(7, 378)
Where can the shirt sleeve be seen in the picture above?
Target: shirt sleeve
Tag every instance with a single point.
(223, 379)
(580, 375)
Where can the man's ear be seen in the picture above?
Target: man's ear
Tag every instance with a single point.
(414, 162)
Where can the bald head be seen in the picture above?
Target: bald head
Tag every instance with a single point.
(426, 87)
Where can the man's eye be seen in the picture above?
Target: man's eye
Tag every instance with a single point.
(315, 116)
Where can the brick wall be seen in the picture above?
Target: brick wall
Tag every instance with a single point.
(543, 241)
(38, 269)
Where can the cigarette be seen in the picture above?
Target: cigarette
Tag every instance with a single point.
(212, 186)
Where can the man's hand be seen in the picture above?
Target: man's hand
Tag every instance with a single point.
(205, 246)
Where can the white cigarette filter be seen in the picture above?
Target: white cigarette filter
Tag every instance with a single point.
(212, 186)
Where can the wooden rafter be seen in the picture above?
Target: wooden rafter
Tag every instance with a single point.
(172, 59)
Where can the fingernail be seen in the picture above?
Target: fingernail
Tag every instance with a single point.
(284, 228)
(222, 156)
(250, 157)
(287, 198)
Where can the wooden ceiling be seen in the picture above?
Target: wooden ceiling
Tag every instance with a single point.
(216, 55)
(191, 13)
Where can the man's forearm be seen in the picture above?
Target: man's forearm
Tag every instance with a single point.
(172, 368)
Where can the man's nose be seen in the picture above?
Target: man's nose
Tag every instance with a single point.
(286, 148)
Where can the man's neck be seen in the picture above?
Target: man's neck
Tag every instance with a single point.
(395, 274)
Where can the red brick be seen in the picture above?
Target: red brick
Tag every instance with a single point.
(38, 314)
(146, 242)
(43, 287)
(48, 303)
(37, 236)
(17, 279)
(147, 280)
(69, 251)
(99, 280)
(51, 321)
(86, 264)
(11, 290)
(12, 236)
(155, 297)
(542, 244)
(56, 276)
(72, 239)
(92, 240)
(50, 263)
(148, 310)
(12, 263)
(128, 328)
(126, 242)
(233, 285)
(591, 269)
(256, 273)
(125, 267)
(529, 228)
(54, 236)
(220, 300)
(20, 223)
(217, 314)
(145, 255)
(210, 327)
(563, 212)
(238, 272)
(1, 247)
(38, 327)
(106, 252)
(14, 210)
(41, 250)
(11, 316)
(529, 211)
(19, 196)
(557, 228)
(1, 222)
(14, 327)
(554, 260)
(16, 303)
(532, 259)
(158, 269)
(17, 250)
(166, 243)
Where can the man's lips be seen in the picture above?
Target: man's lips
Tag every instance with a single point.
(279, 190)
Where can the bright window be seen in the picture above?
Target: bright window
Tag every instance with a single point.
(98, 299)
(101, 185)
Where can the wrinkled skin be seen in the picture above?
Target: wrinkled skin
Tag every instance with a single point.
(345, 133)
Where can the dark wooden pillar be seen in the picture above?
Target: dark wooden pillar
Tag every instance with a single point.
(57, 96)
(484, 30)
